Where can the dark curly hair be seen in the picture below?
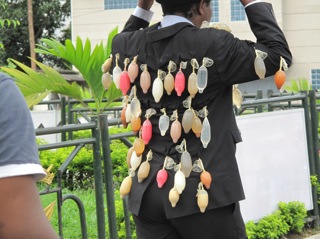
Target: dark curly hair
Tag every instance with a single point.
(185, 9)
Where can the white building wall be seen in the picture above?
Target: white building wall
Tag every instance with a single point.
(90, 20)
(302, 28)
(298, 19)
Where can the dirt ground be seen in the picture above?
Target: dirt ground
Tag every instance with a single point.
(293, 236)
(306, 233)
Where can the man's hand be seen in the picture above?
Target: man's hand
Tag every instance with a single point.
(245, 2)
(145, 4)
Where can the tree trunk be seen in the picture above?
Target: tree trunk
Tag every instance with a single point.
(31, 34)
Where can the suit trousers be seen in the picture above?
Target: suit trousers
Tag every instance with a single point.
(220, 223)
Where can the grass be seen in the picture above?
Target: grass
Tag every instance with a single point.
(71, 226)
(71, 216)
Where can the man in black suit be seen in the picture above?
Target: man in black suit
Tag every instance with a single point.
(179, 38)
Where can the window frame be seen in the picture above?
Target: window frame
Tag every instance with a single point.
(315, 78)
(118, 5)
(237, 12)
(215, 11)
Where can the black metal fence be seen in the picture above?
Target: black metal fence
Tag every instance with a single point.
(101, 140)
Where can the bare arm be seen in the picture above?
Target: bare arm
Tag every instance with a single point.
(21, 212)
(145, 4)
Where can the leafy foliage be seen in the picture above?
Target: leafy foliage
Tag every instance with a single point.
(289, 218)
(35, 86)
(6, 22)
(316, 184)
(294, 214)
(272, 226)
(80, 172)
(118, 156)
(251, 229)
(298, 85)
(87, 62)
(49, 16)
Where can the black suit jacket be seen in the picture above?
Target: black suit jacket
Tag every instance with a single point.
(233, 64)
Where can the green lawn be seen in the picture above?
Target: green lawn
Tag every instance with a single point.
(70, 214)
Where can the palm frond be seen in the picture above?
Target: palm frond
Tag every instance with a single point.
(34, 99)
(35, 86)
(297, 85)
(51, 47)
(112, 94)
(112, 34)
(87, 62)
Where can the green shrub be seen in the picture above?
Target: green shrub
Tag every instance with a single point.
(119, 156)
(251, 228)
(289, 217)
(294, 214)
(272, 226)
(316, 184)
(80, 172)
(118, 153)
(82, 134)
(46, 156)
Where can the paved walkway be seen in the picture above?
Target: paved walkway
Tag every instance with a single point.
(314, 237)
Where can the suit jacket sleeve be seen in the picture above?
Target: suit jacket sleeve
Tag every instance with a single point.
(134, 23)
(235, 58)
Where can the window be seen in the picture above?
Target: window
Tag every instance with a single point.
(215, 10)
(237, 11)
(315, 78)
(119, 4)
(125, 4)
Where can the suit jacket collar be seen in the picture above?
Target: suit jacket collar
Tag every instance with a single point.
(155, 34)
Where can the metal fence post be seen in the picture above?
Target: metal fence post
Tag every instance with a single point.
(259, 96)
(82, 213)
(314, 126)
(98, 181)
(105, 140)
(126, 217)
(311, 153)
(63, 117)
(269, 93)
(70, 118)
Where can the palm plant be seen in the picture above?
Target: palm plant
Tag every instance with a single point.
(36, 85)
(301, 84)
